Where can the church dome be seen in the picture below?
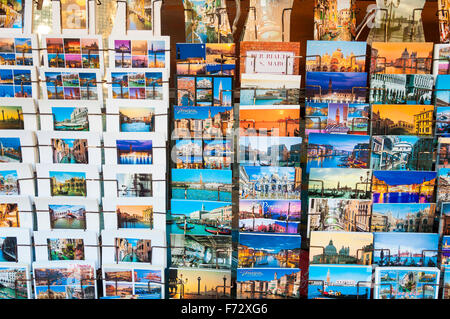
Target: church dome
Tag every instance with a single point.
(330, 249)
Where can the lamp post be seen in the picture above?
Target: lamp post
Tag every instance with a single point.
(199, 279)
(224, 284)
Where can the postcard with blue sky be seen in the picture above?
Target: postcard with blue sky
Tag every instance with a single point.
(443, 120)
(442, 94)
(445, 251)
(339, 282)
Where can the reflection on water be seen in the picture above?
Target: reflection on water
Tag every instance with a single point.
(69, 223)
(201, 194)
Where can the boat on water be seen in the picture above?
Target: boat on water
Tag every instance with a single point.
(187, 227)
(220, 230)
(339, 295)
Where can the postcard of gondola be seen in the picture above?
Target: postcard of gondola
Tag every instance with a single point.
(406, 283)
(265, 182)
(206, 184)
(401, 152)
(15, 245)
(327, 214)
(270, 58)
(443, 189)
(270, 151)
(401, 88)
(443, 121)
(65, 280)
(17, 146)
(19, 114)
(18, 283)
(442, 91)
(345, 183)
(336, 87)
(200, 217)
(269, 251)
(403, 186)
(269, 121)
(401, 57)
(443, 160)
(338, 150)
(15, 212)
(339, 282)
(444, 223)
(336, 56)
(341, 248)
(441, 59)
(326, 24)
(188, 283)
(194, 251)
(268, 283)
(270, 89)
(405, 249)
(269, 216)
(18, 50)
(401, 218)
(445, 251)
(392, 119)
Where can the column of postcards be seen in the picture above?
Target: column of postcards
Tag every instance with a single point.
(201, 157)
(269, 150)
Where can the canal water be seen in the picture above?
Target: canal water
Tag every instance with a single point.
(201, 194)
(69, 223)
(326, 162)
(135, 127)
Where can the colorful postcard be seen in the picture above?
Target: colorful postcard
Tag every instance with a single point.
(67, 183)
(67, 216)
(197, 153)
(134, 185)
(70, 119)
(405, 249)
(443, 160)
(270, 216)
(9, 215)
(66, 150)
(345, 183)
(9, 182)
(200, 217)
(138, 85)
(444, 226)
(446, 284)
(443, 189)
(341, 248)
(16, 179)
(15, 245)
(268, 283)
(403, 186)
(18, 82)
(16, 282)
(8, 249)
(10, 150)
(443, 120)
(16, 211)
(264, 182)
(402, 119)
(72, 85)
(401, 57)
(401, 152)
(199, 283)
(335, 20)
(131, 52)
(336, 87)
(139, 16)
(65, 249)
(441, 58)
(12, 118)
(339, 282)
(19, 51)
(133, 250)
(139, 119)
(11, 14)
(134, 216)
(442, 92)
(204, 90)
(445, 251)
(134, 152)
(406, 283)
(269, 251)
(336, 56)
(401, 218)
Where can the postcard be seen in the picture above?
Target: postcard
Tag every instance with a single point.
(134, 152)
(197, 251)
(73, 52)
(444, 27)
(406, 283)
(204, 90)
(67, 213)
(268, 283)
(402, 153)
(269, 216)
(270, 89)
(403, 186)
(77, 180)
(16, 282)
(18, 114)
(74, 279)
(18, 146)
(14, 16)
(400, 218)
(262, 57)
(336, 56)
(205, 184)
(443, 189)
(18, 50)
(405, 249)
(345, 183)
(134, 181)
(270, 151)
(329, 214)
(146, 282)
(338, 150)
(138, 84)
(16, 211)
(72, 84)
(402, 57)
(336, 87)
(444, 222)
(442, 121)
(269, 121)
(16, 179)
(69, 116)
(61, 244)
(18, 81)
(200, 217)
(63, 148)
(203, 122)
(402, 119)
(446, 283)
(263, 182)
(72, 17)
(15, 245)
(134, 213)
(269, 251)
(187, 283)
(445, 251)
(341, 248)
(132, 246)
(441, 59)
(327, 27)
(339, 282)
(443, 159)
(401, 88)
(442, 92)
